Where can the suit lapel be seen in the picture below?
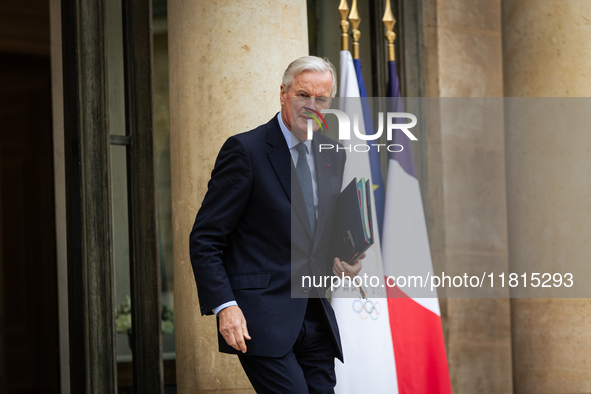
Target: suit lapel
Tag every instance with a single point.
(279, 155)
(284, 168)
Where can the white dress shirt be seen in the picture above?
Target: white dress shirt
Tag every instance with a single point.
(292, 141)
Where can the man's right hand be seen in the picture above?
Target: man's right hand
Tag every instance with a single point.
(233, 327)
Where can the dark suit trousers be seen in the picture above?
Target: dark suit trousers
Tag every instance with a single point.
(307, 368)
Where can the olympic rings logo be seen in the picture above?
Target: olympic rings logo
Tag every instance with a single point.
(366, 308)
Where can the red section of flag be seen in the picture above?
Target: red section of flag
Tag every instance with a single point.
(419, 349)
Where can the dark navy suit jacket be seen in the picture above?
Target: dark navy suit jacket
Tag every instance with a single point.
(252, 234)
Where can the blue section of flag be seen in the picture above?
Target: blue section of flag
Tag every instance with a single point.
(379, 192)
(404, 158)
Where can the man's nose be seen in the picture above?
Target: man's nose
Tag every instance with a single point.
(313, 104)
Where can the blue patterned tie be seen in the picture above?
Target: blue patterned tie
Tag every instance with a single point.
(305, 178)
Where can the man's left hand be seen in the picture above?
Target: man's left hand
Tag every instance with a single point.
(340, 267)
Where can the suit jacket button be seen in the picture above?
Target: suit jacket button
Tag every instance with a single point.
(305, 290)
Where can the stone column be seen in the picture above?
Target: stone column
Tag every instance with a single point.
(466, 184)
(226, 63)
(545, 54)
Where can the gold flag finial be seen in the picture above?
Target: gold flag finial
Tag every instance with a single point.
(355, 33)
(344, 10)
(389, 22)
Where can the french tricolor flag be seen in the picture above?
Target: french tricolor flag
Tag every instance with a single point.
(364, 324)
(395, 344)
(415, 323)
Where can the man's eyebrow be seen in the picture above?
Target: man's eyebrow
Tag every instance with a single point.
(302, 91)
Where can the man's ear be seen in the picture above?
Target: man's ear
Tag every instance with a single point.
(281, 94)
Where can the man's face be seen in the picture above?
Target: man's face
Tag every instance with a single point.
(310, 90)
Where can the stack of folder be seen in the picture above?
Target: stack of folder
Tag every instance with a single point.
(353, 225)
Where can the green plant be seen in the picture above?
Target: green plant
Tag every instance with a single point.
(123, 318)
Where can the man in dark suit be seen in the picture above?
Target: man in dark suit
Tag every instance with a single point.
(265, 222)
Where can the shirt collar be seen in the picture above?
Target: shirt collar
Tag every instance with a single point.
(291, 139)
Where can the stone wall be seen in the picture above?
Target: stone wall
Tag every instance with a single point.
(546, 54)
(466, 183)
(226, 60)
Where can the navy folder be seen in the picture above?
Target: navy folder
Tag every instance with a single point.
(353, 229)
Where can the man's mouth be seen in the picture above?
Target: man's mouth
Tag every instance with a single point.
(318, 117)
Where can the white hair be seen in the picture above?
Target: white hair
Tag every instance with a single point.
(309, 63)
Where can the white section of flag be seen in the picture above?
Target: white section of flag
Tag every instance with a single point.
(366, 338)
(406, 245)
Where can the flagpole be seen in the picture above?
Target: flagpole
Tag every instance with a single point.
(355, 21)
(389, 22)
(344, 10)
